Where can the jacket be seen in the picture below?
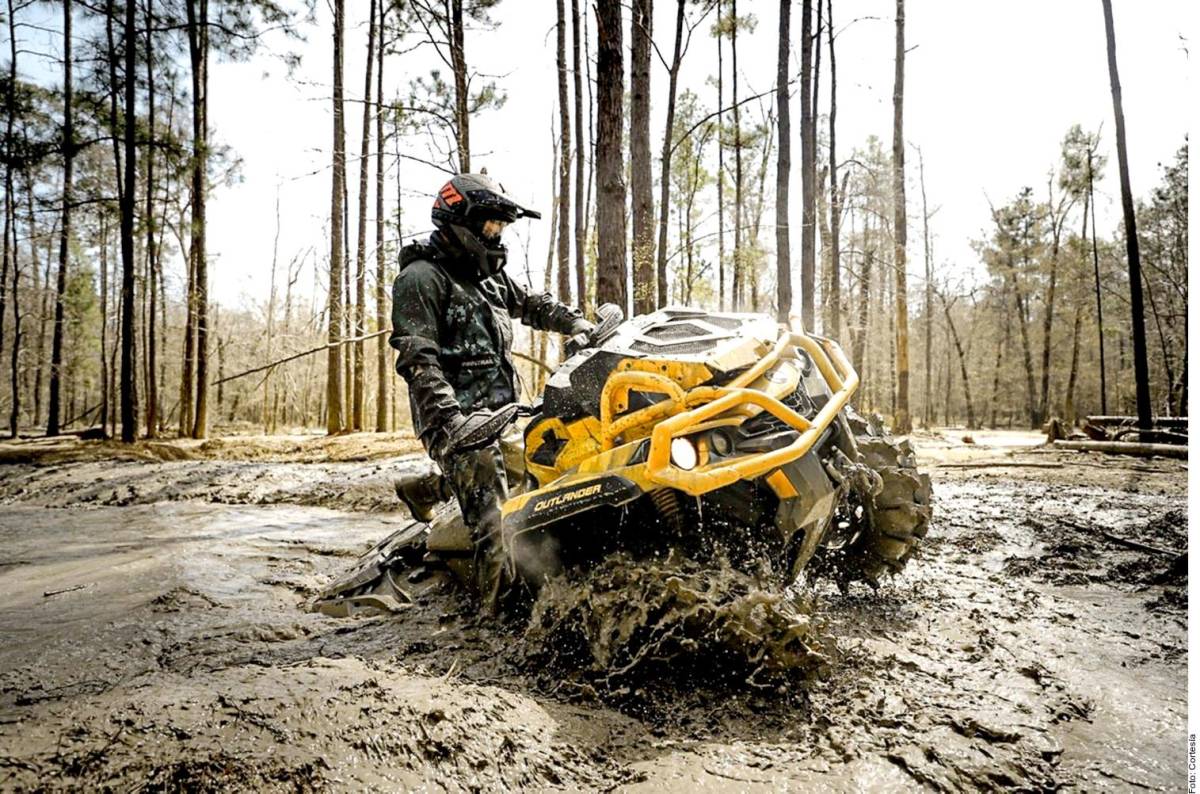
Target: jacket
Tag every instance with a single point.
(453, 333)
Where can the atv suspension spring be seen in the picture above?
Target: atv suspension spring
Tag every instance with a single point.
(670, 508)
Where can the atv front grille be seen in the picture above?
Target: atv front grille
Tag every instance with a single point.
(766, 422)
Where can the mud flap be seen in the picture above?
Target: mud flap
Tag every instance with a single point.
(806, 505)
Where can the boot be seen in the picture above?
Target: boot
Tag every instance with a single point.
(422, 493)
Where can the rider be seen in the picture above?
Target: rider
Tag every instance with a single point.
(452, 311)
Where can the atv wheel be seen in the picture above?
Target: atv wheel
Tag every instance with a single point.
(896, 518)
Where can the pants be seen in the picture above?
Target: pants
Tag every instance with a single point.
(479, 480)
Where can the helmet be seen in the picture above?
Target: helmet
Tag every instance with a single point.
(462, 209)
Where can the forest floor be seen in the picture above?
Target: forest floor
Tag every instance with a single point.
(155, 636)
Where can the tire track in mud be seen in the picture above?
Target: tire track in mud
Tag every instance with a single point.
(187, 661)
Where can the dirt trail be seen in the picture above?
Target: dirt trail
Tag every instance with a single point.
(154, 636)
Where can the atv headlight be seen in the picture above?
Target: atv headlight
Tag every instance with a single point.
(683, 454)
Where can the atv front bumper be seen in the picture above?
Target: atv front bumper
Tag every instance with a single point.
(620, 474)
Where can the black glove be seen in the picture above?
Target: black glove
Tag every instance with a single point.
(579, 337)
(461, 433)
(582, 327)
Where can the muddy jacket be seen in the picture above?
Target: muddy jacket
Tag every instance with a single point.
(453, 333)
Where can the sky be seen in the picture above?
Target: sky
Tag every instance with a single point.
(990, 91)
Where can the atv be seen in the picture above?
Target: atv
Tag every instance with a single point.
(681, 430)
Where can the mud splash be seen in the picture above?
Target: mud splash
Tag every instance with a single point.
(627, 621)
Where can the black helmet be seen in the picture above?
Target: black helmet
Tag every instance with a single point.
(461, 209)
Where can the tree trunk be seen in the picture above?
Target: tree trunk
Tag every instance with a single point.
(641, 172)
(360, 275)
(43, 312)
(9, 250)
(1001, 346)
(1069, 404)
(347, 303)
(458, 60)
(382, 372)
(835, 195)
(610, 203)
(1056, 221)
(738, 197)
(198, 50)
(864, 301)
(1141, 369)
(333, 393)
(581, 292)
(129, 405)
(64, 238)
(665, 161)
(760, 203)
(15, 360)
(564, 163)
(928, 410)
(808, 175)
(1091, 199)
(720, 166)
(962, 363)
(783, 261)
(900, 232)
(1027, 357)
(151, 336)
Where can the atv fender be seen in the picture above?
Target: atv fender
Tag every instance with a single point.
(560, 500)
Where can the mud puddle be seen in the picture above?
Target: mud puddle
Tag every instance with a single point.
(164, 645)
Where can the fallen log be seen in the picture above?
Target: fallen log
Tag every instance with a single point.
(1166, 422)
(1125, 448)
(988, 464)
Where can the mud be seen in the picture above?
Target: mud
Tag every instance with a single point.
(626, 624)
(155, 638)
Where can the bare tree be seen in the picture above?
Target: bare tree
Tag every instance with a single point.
(737, 164)
(381, 319)
(197, 24)
(641, 176)
(360, 275)
(665, 159)
(835, 195)
(962, 361)
(9, 205)
(610, 203)
(808, 174)
(64, 229)
(783, 267)
(581, 296)
(564, 163)
(333, 386)
(151, 359)
(928, 296)
(129, 403)
(720, 160)
(903, 422)
(1141, 370)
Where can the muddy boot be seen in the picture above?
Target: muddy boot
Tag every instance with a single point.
(493, 576)
(422, 493)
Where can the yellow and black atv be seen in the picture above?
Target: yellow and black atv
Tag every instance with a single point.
(686, 430)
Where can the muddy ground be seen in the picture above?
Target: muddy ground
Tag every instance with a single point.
(155, 637)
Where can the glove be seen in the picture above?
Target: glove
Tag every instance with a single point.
(581, 326)
(440, 439)
(461, 433)
(579, 335)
